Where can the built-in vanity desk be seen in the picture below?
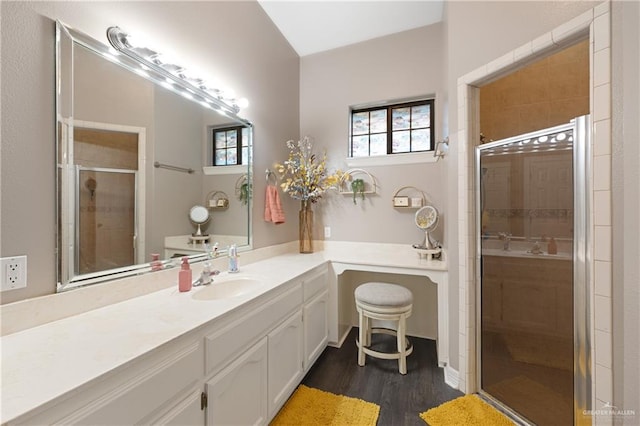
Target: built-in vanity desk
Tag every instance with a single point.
(161, 357)
(388, 259)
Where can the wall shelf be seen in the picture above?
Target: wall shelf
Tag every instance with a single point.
(224, 170)
(412, 196)
(217, 200)
(345, 186)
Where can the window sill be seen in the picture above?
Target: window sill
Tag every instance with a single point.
(225, 170)
(392, 159)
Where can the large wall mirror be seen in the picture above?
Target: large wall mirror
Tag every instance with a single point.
(133, 160)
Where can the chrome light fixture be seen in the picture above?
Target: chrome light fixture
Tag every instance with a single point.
(441, 149)
(173, 76)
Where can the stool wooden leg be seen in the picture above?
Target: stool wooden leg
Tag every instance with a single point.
(361, 338)
(402, 347)
(367, 329)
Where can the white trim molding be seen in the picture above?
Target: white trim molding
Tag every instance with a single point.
(392, 159)
(451, 377)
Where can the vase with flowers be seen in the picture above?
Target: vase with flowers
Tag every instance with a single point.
(305, 178)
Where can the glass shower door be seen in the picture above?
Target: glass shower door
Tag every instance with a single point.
(526, 298)
(106, 202)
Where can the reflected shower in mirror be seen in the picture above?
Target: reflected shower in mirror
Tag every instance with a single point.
(526, 186)
(133, 158)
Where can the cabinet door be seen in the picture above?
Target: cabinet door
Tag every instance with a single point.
(238, 394)
(285, 360)
(315, 328)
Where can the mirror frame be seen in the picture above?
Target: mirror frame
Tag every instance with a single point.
(67, 281)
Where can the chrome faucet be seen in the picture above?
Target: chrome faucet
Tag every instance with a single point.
(207, 272)
(205, 277)
(536, 248)
(506, 240)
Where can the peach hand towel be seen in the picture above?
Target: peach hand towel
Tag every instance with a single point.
(272, 207)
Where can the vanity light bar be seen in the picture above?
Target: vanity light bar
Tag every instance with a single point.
(172, 76)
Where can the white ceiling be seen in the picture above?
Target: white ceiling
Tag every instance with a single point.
(316, 26)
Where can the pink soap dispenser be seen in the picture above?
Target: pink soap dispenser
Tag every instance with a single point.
(184, 276)
(156, 264)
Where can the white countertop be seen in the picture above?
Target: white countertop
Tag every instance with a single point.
(45, 362)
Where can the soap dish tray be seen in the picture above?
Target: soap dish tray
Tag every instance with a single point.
(428, 253)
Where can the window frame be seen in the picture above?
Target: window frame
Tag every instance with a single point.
(389, 131)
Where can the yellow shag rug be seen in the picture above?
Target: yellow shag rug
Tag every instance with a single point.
(309, 406)
(468, 410)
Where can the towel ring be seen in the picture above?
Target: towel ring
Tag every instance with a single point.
(268, 175)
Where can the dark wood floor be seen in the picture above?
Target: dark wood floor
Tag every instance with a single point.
(401, 398)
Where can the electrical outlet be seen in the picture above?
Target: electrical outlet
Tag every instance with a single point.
(13, 272)
(327, 232)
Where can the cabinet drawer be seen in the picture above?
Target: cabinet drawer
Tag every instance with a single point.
(147, 393)
(314, 282)
(224, 345)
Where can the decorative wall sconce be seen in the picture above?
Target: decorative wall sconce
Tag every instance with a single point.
(173, 76)
(441, 149)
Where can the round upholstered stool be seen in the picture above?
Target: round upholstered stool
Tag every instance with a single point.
(388, 302)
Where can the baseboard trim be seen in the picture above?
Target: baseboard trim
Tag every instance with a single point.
(451, 377)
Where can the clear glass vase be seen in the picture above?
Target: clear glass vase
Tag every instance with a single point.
(306, 227)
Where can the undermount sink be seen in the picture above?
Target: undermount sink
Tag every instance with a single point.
(227, 288)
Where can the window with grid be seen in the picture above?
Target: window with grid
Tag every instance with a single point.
(392, 129)
(230, 146)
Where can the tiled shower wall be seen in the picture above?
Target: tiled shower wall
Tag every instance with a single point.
(546, 93)
(597, 22)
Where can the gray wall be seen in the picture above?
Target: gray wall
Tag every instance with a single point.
(625, 44)
(400, 66)
(177, 141)
(232, 41)
(230, 221)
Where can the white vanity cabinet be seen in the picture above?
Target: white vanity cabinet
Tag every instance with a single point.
(161, 388)
(257, 360)
(237, 357)
(239, 368)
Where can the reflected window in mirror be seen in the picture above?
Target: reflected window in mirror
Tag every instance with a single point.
(230, 145)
